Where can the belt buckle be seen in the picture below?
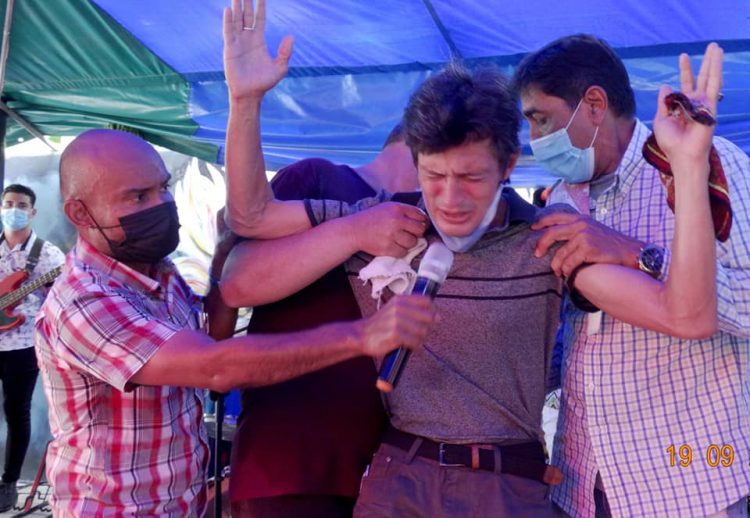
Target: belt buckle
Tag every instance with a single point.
(441, 457)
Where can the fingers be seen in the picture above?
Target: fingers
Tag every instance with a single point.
(227, 24)
(556, 218)
(714, 77)
(552, 235)
(413, 213)
(405, 240)
(236, 16)
(686, 75)
(404, 320)
(417, 307)
(412, 226)
(413, 315)
(700, 84)
(260, 15)
(573, 256)
(248, 14)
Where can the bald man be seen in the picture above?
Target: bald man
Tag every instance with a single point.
(122, 350)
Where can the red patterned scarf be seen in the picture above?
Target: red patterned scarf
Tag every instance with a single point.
(718, 189)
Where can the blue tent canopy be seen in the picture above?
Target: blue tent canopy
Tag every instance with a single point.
(355, 63)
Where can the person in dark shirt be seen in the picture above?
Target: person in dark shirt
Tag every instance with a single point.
(301, 446)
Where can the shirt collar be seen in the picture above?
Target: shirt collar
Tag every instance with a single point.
(86, 253)
(632, 159)
(519, 210)
(19, 246)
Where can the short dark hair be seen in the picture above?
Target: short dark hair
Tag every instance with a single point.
(457, 106)
(568, 66)
(20, 189)
(396, 135)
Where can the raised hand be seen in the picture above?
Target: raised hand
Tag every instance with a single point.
(680, 137)
(249, 68)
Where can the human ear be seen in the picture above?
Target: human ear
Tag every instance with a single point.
(597, 102)
(77, 214)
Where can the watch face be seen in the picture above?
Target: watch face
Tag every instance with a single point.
(652, 259)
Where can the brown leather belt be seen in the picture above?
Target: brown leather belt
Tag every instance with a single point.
(523, 460)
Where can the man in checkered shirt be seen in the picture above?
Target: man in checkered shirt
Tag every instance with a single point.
(650, 425)
(121, 351)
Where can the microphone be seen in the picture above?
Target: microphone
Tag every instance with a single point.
(433, 270)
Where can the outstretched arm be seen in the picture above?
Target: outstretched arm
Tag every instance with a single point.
(260, 272)
(685, 304)
(192, 359)
(250, 72)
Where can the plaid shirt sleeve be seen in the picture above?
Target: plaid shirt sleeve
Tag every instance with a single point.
(110, 337)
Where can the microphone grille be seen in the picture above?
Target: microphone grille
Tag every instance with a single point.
(436, 263)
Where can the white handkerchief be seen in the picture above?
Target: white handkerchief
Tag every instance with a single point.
(394, 273)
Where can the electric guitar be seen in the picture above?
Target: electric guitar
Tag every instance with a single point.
(12, 292)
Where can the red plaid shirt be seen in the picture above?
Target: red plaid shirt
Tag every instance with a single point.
(118, 449)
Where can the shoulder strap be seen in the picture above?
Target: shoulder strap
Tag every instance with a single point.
(33, 257)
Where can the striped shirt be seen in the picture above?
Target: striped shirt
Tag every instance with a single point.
(481, 376)
(118, 449)
(632, 398)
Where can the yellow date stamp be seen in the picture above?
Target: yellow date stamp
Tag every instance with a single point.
(716, 455)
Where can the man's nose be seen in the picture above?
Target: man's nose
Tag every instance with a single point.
(534, 132)
(452, 193)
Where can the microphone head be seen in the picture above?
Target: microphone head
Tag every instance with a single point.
(436, 263)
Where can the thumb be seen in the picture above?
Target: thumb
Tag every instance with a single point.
(661, 106)
(284, 53)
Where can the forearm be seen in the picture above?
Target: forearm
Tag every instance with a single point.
(685, 304)
(260, 272)
(690, 289)
(257, 360)
(252, 210)
(248, 192)
(191, 359)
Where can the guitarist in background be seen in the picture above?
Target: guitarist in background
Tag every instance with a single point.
(20, 251)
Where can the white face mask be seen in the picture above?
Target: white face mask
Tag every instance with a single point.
(464, 243)
(15, 219)
(556, 154)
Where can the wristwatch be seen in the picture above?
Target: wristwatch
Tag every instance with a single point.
(651, 260)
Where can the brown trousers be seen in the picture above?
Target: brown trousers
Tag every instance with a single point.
(398, 485)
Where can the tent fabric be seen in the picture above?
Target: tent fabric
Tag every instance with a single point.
(156, 65)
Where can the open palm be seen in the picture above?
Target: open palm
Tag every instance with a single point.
(249, 69)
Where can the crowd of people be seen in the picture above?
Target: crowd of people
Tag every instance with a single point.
(627, 291)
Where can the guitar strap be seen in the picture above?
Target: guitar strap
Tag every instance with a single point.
(33, 258)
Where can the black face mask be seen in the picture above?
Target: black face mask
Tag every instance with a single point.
(150, 234)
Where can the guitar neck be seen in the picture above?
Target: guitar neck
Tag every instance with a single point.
(14, 296)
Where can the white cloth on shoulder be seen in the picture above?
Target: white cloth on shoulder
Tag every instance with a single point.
(394, 273)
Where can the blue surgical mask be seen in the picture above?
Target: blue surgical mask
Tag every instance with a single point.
(556, 154)
(15, 219)
(464, 243)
